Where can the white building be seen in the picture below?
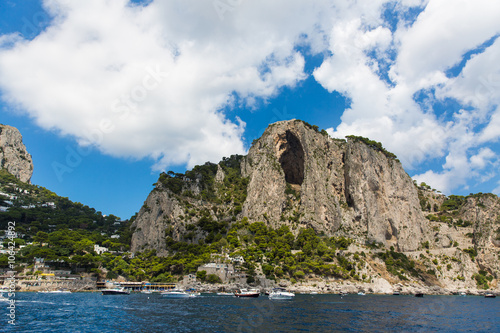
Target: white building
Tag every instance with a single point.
(100, 249)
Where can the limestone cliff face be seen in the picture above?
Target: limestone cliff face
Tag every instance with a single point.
(297, 176)
(484, 212)
(345, 188)
(154, 218)
(383, 197)
(13, 155)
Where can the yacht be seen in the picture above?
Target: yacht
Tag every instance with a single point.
(58, 291)
(178, 293)
(247, 293)
(281, 293)
(115, 291)
(224, 294)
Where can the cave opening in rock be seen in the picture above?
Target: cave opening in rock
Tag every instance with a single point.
(291, 158)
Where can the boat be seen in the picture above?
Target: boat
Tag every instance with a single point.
(2, 297)
(490, 296)
(281, 293)
(463, 294)
(419, 295)
(177, 293)
(146, 291)
(247, 293)
(115, 291)
(58, 291)
(225, 294)
(361, 293)
(396, 293)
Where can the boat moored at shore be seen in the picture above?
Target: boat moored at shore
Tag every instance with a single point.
(247, 293)
(115, 291)
(281, 293)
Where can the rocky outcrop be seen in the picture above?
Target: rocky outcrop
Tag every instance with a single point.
(301, 177)
(13, 155)
(297, 176)
(341, 187)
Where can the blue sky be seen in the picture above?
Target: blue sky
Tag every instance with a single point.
(109, 94)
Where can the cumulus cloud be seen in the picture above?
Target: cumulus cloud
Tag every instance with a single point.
(151, 80)
(397, 107)
(154, 80)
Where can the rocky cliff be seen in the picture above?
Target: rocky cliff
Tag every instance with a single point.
(13, 155)
(303, 178)
(297, 177)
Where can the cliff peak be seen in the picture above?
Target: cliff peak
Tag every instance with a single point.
(294, 175)
(13, 154)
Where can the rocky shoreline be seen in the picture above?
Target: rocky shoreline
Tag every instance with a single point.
(379, 287)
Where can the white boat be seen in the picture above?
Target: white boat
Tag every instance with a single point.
(281, 293)
(59, 291)
(115, 291)
(145, 291)
(361, 293)
(177, 293)
(225, 294)
(247, 293)
(2, 297)
(463, 294)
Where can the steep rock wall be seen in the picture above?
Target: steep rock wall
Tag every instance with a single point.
(13, 154)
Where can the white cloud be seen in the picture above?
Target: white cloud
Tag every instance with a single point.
(425, 49)
(151, 81)
(93, 65)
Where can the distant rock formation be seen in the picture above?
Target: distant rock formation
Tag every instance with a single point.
(13, 154)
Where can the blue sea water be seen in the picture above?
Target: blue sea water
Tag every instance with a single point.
(93, 312)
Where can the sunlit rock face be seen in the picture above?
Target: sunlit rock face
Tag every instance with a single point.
(13, 154)
(302, 178)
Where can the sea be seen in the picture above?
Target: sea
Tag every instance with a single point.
(94, 312)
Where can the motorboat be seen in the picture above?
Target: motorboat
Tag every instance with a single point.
(396, 293)
(490, 296)
(58, 291)
(281, 293)
(178, 293)
(361, 293)
(247, 293)
(462, 294)
(115, 291)
(225, 294)
(146, 291)
(2, 297)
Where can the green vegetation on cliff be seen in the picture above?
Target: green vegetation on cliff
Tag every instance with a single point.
(372, 144)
